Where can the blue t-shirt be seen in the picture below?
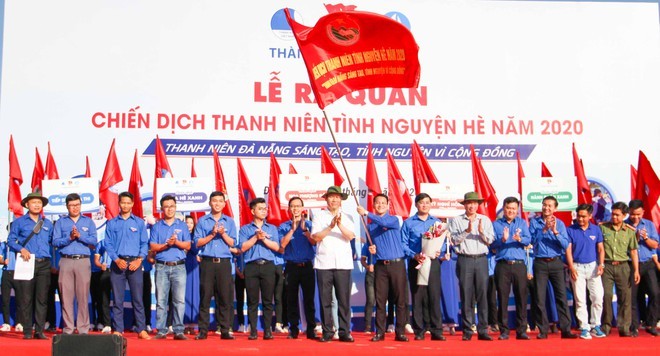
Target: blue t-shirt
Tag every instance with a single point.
(585, 242)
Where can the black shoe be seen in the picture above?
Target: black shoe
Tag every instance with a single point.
(625, 334)
(346, 338)
(634, 333)
(401, 337)
(522, 336)
(652, 331)
(40, 336)
(293, 333)
(419, 336)
(253, 336)
(568, 335)
(160, 336)
(201, 336)
(553, 329)
(226, 336)
(28, 336)
(503, 337)
(268, 335)
(180, 336)
(438, 337)
(312, 336)
(485, 337)
(326, 338)
(378, 337)
(467, 336)
(542, 336)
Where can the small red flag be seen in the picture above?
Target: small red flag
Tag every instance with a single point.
(276, 215)
(220, 185)
(422, 171)
(15, 181)
(545, 172)
(193, 174)
(134, 185)
(111, 176)
(88, 171)
(633, 182)
(163, 170)
(37, 173)
(194, 214)
(245, 194)
(327, 166)
(400, 200)
(565, 216)
(352, 50)
(485, 189)
(51, 168)
(521, 175)
(292, 169)
(583, 189)
(648, 189)
(371, 180)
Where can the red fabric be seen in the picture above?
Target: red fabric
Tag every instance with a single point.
(134, 185)
(15, 181)
(545, 172)
(648, 189)
(583, 189)
(88, 171)
(485, 189)
(327, 166)
(193, 174)
(352, 50)
(422, 172)
(220, 185)
(37, 173)
(276, 215)
(521, 175)
(371, 180)
(400, 200)
(565, 216)
(51, 168)
(245, 194)
(292, 169)
(163, 170)
(633, 182)
(111, 176)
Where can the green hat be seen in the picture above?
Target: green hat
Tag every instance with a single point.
(34, 195)
(335, 190)
(471, 196)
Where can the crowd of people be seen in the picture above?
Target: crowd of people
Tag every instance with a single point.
(197, 261)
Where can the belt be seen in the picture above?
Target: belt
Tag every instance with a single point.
(546, 259)
(616, 263)
(511, 262)
(37, 259)
(387, 262)
(128, 258)
(172, 263)
(299, 264)
(215, 259)
(647, 261)
(75, 257)
(472, 256)
(260, 261)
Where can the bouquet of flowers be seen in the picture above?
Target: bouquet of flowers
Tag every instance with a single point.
(432, 241)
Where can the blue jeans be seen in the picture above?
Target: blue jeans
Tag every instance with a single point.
(170, 278)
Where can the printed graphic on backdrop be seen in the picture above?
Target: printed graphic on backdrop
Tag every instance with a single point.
(534, 189)
(192, 194)
(309, 187)
(445, 198)
(56, 191)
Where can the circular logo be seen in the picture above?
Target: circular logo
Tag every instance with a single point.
(399, 17)
(343, 31)
(280, 27)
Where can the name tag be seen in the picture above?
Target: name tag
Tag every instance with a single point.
(133, 229)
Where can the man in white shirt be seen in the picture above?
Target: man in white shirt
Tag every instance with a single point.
(333, 232)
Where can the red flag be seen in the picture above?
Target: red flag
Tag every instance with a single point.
(484, 188)
(193, 174)
(276, 215)
(111, 176)
(400, 200)
(422, 172)
(565, 216)
(352, 50)
(633, 182)
(37, 173)
(245, 194)
(220, 183)
(648, 189)
(583, 189)
(162, 170)
(292, 169)
(521, 175)
(88, 171)
(51, 168)
(371, 180)
(327, 166)
(134, 185)
(194, 214)
(15, 181)
(545, 172)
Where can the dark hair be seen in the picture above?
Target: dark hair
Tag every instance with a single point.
(509, 200)
(166, 198)
(296, 198)
(382, 195)
(188, 217)
(550, 197)
(71, 197)
(256, 201)
(421, 196)
(635, 204)
(125, 195)
(217, 194)
(588, 207)
(620, 206)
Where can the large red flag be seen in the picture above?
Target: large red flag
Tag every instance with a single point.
(245, 194)
(485, 189)
(15, 181)
(352, 50)
(111, 176)
(134, 185)
(327, 166)
(633, 182)
(163, 170)
(583, 189)
(220, 185)
(37, 173)
(648, 189)
(545, 172)
(292, 169)
(422, 172)
(88, 171)
(521, 175)
(400, 200)
(371, 180)
(276, 215)
(565, 216)
(51, 168)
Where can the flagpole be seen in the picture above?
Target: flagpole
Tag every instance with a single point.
(348, 177)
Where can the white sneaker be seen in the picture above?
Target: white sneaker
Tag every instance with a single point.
(390, 328)
(106, 330)
(409, 329)
(218, 332)
(149, 329)
(18, 327)
(241, 328)
(170, 330)
(335, 336)
(248, 329)
(278, 328)
(99, 327)
(5, 327)
(318, 329)
(46, 325)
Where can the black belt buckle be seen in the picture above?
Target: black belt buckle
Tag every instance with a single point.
(128, 258)
(75, 257)
(216, 259)
(386, 262)
(41, 259)
(260, 261)
(172, 263)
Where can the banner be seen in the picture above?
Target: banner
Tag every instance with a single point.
(445, 198)
(192, 194)
(308, 187)
(563, 189)
(56, 191)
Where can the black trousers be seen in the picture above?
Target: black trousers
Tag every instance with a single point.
(32, 297)
(506, 276)
(260, 279)
(146, 297)
(300, 276)
(648, 285)
(492, 301)
(239, 287)
(472, 273)
(279, 295)
(552, 271)
(390, 279)
(51, 312)
(8, 284)
(425, 299)
(341, 280)
(215, 280)
(100, 288)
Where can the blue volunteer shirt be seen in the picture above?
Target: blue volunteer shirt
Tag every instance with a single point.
(547, 244)
(411, 234)
(511, 249)
(645, 253)
(491, 262)
(385, 233)
(365, 253)
(39, 245)
(584, 243)
(259, 250)
(81, 245)
(161, 231)
(239, 262)
(217, 247)
(102, 252)
(8, 256)
(299, 249)
(126, 237)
